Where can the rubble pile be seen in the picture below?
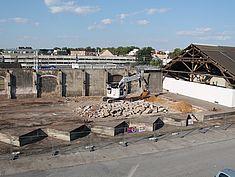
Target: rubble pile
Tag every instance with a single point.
(121, 108)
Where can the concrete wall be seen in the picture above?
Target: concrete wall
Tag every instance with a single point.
(58, 134)
(155, 81)
(233, 98)
(73, 82)
(103, 130)
(222, 96)
(8, 139)
(49, 83)
(95, 82)
(20, 83)
(23, 83)
(4, 90)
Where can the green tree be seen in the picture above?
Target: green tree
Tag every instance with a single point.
(156, 62)
(98, 49)
(144, 55)
(88, 49)
(67, 50)
(175, 53)
(57, 48)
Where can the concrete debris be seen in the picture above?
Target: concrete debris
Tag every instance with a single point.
(120, 109)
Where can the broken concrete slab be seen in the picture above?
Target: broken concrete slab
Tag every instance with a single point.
(121, 108)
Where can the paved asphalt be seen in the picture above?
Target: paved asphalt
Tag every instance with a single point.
(197, 161)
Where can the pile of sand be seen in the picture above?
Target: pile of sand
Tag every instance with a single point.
(182, 106)
(156, 99)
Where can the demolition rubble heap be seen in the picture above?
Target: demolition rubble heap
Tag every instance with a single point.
(121, 108)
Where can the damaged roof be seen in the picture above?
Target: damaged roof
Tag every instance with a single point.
(223, 55)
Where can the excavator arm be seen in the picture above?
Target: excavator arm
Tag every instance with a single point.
(127, 79)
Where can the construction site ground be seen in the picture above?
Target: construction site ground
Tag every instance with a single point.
(48, 165)
(16, 114)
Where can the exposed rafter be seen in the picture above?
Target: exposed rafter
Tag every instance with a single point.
(199, 61)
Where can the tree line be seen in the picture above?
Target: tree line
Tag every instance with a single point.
(144, 56)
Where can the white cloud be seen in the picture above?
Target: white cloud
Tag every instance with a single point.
(106, 21)
(152, 11)
(19, 20)
(222, 37)
(142, 22)
(94, 27)
(217, 37)
(123, 16)
(101, 24)
(195, 32)
(50, 2)
(59, 6)
(205, 33)
(3, 20)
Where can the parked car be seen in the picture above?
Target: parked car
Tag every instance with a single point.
(226, 173)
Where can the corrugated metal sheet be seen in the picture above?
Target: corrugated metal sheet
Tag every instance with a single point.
(224, 56)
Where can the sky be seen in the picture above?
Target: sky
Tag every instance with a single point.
(161, 24)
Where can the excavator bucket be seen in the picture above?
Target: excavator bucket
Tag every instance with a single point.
(144, 94)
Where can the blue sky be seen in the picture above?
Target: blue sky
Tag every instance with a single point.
(162, 24)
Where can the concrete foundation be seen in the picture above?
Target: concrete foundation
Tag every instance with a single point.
(110, 128)
(177, 119)
(19, 137)
(147, 123)
(202, 116)
(68, 132)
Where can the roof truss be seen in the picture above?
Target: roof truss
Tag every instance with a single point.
(193, 64)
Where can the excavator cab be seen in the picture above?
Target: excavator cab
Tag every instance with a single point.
(115, 92)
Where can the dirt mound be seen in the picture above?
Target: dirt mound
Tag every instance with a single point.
(182, 106)
(155, 99)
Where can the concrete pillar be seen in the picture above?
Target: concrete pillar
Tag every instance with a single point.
(8, 84)
(35, 83)
(106, 78)
(59, 81)
(83, 83)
